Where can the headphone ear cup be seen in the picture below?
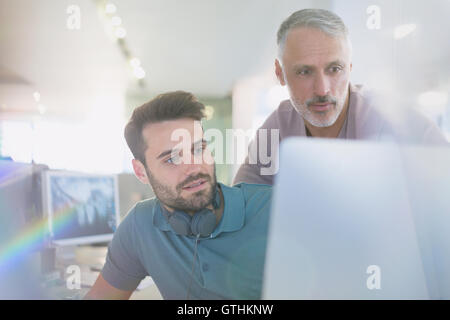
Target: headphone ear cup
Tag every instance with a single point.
(203, 223)
(180, 222)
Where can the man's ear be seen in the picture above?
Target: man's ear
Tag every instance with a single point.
(139, 171)
(279, 72)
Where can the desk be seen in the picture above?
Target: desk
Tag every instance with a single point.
(85, 257)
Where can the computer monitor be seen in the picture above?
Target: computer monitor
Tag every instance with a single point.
(21, 205)
(23, 232)
(359, 220)
(82, 208)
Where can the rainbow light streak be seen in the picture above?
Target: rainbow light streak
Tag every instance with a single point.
(33, 237)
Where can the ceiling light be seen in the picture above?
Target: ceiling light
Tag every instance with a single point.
(121, 33)
(37, 96)
(135, 63)
(116, 21)
(139, 73)
(42, 109)
(110, 8)
(404, 30)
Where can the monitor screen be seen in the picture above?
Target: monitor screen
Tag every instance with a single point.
(15, 192)
(20, 202)
(82, 208)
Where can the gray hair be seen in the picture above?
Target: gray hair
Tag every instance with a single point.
(324, 20)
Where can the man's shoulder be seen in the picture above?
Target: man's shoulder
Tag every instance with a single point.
(363, 95)
(284, 112)
(257, 203)
(146, 204)
(141, 212)
(285, 109)
(252, 192)
(388, 117)
(253, 187)
(367, 118)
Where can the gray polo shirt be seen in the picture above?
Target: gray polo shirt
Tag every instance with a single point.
(369, 117)
(229, 264)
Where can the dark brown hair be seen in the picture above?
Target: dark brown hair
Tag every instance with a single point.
(167, 106)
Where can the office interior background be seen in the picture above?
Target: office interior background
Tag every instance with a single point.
(72, 71)
(66, 91)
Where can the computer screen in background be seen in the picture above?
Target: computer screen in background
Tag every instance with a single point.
(23, 232)
(82, 208)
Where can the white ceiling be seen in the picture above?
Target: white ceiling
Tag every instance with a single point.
(67, 67)
(203, 46)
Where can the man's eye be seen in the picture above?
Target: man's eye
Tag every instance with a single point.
(335, 69)
(173, 160)
(199, 150)
(303, 72)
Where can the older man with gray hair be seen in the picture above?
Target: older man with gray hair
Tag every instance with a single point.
(314, 62)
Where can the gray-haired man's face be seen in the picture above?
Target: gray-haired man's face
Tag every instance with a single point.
(316, 68)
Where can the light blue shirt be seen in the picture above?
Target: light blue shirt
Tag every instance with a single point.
(228, 265)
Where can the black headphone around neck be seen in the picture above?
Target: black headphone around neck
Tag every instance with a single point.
(201, 224)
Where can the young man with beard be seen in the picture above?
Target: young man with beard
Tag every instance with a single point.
(197, 239)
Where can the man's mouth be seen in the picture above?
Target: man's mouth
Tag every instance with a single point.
(195, 185)
(321, 107)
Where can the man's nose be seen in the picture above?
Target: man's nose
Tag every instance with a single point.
(321, 85)
(193, 166)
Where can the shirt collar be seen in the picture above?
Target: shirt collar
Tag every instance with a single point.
(233, 212)
(350, 132)
(344, 132)
(232, 218)
(159, 220)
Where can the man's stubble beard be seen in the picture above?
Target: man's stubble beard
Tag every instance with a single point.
(174, 200)
(314, 117)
